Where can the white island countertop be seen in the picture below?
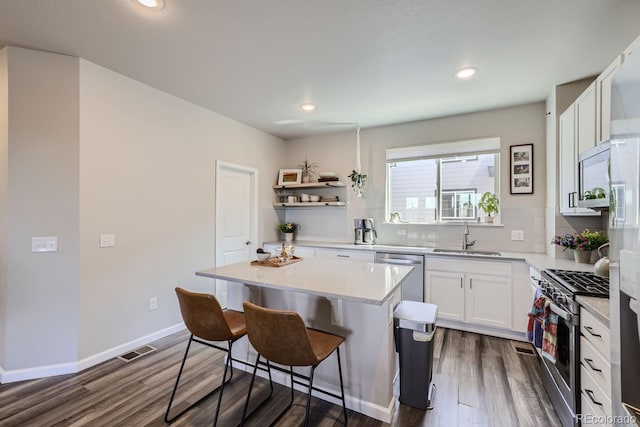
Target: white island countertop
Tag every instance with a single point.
(356, 281)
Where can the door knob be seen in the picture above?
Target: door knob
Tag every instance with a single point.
(248, 242)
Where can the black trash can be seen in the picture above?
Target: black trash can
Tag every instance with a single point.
(414, 328)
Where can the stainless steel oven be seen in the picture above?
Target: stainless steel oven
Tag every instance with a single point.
(561, 378)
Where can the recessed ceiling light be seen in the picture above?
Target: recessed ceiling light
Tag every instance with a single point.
(465, 73)
(152, 4)
(308, 107)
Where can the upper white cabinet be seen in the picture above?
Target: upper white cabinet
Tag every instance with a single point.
(585, 117)
(632, 48)
(568, 164)
(603, 101)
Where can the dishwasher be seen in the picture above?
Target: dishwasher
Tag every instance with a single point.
(413, 285)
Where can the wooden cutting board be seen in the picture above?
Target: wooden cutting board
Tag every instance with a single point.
(275, 262)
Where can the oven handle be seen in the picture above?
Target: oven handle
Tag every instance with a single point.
(562, 313)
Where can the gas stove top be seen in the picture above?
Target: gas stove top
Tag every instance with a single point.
(579, 282)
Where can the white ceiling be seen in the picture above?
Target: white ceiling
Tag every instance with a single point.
(374, 62)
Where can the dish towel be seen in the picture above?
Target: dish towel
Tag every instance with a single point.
(536, 317)
(550, 335)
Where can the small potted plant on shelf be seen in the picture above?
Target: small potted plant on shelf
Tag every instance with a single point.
(288, 228)
(581, 243)
(489, 204)
(308, 169)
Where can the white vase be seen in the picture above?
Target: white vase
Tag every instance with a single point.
(306, 179)
(288, 237)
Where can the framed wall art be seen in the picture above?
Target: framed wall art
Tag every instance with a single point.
(289, 176)
(521, 168)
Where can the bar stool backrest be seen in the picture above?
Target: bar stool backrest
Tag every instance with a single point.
(280, 336)
(203, 316)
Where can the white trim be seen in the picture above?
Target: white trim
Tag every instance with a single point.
(484, 330)
(74, 367)
(468, 146)
(358, 405)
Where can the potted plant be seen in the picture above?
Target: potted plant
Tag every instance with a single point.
(358, 181)
(581, 243)
(288, 228)
(489, 204)
(308, 168)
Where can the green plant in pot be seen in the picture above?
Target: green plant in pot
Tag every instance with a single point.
(308, 169)
(489, 203)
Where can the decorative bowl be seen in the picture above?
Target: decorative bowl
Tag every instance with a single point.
(314, 198)
(264, 256)
(327, 174)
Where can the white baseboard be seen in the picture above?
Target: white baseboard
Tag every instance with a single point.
(370, 409)
(9, 376)
(484, 330)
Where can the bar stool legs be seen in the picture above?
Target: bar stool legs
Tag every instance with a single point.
(344, 404)
(253, 378)
(228, 364)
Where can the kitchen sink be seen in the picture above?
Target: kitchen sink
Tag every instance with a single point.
(467, 252)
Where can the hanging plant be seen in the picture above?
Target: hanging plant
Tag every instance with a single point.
(358, 181)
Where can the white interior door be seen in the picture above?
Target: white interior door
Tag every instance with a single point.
(236, 217)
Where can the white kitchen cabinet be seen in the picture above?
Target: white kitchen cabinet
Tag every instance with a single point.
(633, 47)
(326, 191)
(446, 290)
(585, 117)
(595, 366)
(568, 163)
(603, 101)
(470, 292)
(368, 256)
(489, 300)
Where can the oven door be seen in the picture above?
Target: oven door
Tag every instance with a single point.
(562, 384)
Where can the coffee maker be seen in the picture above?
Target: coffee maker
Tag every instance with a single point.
(365, 231)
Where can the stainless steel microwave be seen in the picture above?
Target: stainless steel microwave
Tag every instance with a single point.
(593, 178)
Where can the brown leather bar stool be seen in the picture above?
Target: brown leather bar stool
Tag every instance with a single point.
(281, 337)
(206, 320)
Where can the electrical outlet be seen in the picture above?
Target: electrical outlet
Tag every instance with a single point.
(517, 234)
(153, 303)
(402, 232)
(107, 240)
(44, 244)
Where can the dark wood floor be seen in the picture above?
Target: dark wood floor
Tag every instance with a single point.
(481, 381)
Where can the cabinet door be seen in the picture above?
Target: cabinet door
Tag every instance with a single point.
(632, 48)
(488, 300)
(446, 290)
(585, 116)
(567, 162)
(603, 99)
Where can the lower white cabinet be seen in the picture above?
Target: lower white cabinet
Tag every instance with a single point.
(473, 292)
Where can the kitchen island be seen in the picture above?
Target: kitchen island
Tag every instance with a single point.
(354, 299)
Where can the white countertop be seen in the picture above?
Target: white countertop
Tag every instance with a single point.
(539, 261)
(599, 307)
(357, 281)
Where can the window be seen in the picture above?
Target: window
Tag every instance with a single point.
(441, 182)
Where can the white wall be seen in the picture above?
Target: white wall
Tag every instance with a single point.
(89, 152)
(515, 125)
(147, 174)
(41, 296)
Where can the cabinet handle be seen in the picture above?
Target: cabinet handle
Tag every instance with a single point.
(591, 365)
(470, 283)
(590, 330)
(591, 396)
(343, 256)
(461, 285)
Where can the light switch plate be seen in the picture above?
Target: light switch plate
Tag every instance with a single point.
(44, 244)
(517, 234)
(107, 240)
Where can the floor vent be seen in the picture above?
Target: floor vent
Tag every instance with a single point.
(137, 353)
(524, 349)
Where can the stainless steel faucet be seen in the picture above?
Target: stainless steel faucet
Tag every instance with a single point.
(465, 235)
